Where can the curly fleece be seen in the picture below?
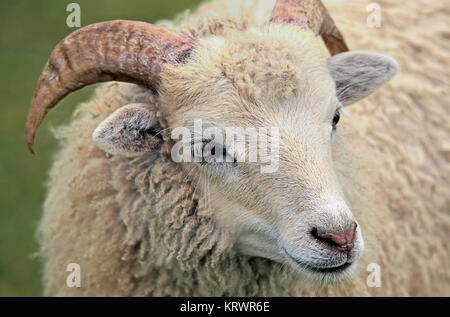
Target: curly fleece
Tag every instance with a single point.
(136, 226)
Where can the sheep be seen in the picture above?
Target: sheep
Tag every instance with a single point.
(366, 192)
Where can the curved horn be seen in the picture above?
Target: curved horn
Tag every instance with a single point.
(311, 15)
(117, 50)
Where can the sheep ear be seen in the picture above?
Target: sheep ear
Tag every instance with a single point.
(358, 73)
(131, 130)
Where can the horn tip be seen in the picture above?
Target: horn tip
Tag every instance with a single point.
(30, 146)
(29, 139)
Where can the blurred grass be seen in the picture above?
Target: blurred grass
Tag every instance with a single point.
(29, 30)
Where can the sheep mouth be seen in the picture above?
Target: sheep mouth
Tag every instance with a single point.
(324, 270)
(336, 269)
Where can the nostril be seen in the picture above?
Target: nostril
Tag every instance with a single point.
(320, 237)
(315, 234)
(343, 240)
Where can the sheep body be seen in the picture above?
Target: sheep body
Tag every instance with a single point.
(114, 215)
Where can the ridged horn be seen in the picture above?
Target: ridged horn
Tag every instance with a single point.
(311, 15)
(117, 50)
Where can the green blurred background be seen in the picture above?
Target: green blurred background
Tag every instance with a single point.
(29, 30)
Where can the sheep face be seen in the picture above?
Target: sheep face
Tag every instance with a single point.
(287, 204)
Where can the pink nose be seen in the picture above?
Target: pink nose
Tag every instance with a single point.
(343, 241)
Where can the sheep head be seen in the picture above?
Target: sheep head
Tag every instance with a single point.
(275, 84)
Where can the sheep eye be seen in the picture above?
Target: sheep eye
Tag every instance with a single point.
(205, 152)
(209, 150)
(336, 118)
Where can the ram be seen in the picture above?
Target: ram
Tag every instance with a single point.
(368, 191)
